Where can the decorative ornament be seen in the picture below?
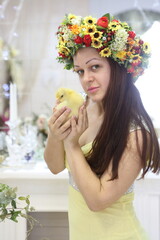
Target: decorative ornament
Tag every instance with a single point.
(111, 37)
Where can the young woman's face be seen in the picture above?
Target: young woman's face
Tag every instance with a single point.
(94, 72)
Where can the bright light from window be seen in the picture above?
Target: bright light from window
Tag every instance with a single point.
(149, 83)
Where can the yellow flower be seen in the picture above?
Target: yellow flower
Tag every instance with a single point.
(96, 35)
(90, 29)
(64, 50)
(96, 43)
(124, 25)
(75, 29)
(106, 52)
(121, 55)
(61, 40)
(90, 20)
(71, 16)
(146, 48)
(136, 58)
(114, 26)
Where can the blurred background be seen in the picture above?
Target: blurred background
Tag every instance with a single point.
(28, 49)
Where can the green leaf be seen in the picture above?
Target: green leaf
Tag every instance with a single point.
(14, 215)
(108, 16)
(100, 28)
(22, 198)
(27, 201)
(4, 211)
(13, 203)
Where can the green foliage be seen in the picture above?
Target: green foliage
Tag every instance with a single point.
(108, 16)
(9, 209)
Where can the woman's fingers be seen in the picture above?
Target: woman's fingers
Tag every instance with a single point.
(59, 116)
(65, 126)
(56, 114)
(62, 118)
(65, 133)
(73, 123)
(80, 116)
(83, 119)
(58, 124)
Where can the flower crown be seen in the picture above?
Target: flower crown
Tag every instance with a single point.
(112, 38)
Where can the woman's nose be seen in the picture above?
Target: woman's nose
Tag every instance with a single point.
(88, 77)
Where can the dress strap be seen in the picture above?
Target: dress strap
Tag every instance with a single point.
(134, 127)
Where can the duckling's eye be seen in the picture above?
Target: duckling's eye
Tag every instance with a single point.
(61, 96)
(94, 67)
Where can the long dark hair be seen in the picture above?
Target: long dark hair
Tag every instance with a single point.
(122, 107)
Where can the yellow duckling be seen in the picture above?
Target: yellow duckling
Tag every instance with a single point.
(69, 98)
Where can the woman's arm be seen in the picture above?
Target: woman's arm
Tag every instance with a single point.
(54, 155)
(59, 128)
(101, 193)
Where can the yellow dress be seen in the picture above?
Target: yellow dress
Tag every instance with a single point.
(117, 222)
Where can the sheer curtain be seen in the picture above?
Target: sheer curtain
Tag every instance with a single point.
(35, 39)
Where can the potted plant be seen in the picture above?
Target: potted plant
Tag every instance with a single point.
(12, 207)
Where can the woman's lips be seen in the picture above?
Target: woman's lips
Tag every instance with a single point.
(92, 89)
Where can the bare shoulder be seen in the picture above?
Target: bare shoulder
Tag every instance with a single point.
(135, 141)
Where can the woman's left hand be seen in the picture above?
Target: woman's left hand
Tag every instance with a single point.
(78, 126)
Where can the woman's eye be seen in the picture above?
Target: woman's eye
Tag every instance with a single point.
(79, 72)
(95, 67)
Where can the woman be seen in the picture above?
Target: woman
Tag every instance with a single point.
(113, 139)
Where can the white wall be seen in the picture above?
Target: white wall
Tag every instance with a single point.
(98, 8)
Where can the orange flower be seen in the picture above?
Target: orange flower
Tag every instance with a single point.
(131, 41)
(75, 29)
(129, 53)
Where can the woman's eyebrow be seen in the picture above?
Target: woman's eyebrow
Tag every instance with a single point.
(88, 61)
(92, 59)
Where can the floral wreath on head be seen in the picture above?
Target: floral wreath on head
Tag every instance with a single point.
(112, 38)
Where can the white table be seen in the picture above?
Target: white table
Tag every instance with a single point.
(48, 193)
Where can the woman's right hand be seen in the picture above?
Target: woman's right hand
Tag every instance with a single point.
(59, 126)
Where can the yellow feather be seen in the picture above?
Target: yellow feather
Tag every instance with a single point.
(69, 98)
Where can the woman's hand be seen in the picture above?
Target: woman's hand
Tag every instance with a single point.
(59, 126)
(78, 126)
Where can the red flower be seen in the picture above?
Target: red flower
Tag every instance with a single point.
(69, 26)
(87, 40)
(114, 20)
(130, 69)
(141, 42)
(100, 49)
(112, 33)
(62, 55)
(103, 22)
(134, 64)
(78, 40)
(136, 47)
(131, 34)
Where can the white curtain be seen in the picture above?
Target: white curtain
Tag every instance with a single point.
(35, 39)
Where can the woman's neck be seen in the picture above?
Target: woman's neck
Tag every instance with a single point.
(95, 109)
